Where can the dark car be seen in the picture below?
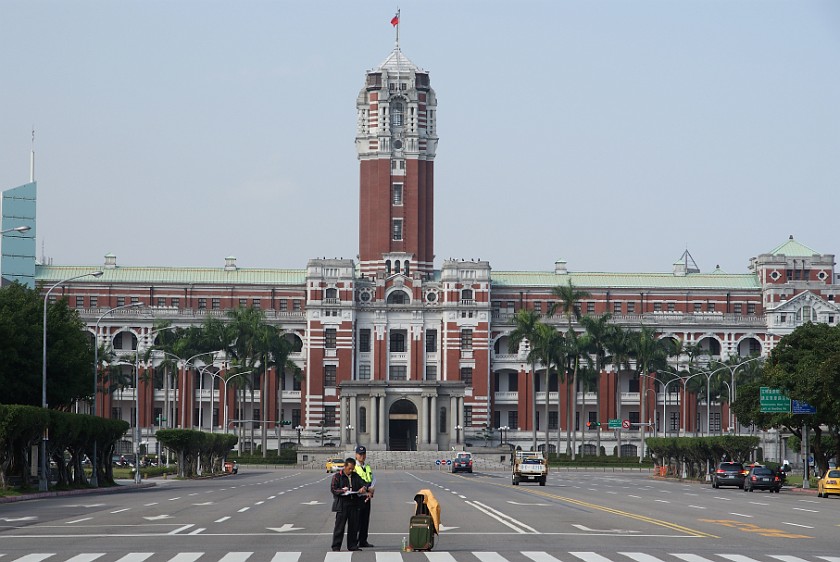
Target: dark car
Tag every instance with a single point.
(762, 478)
(729, 474)
(462, 462)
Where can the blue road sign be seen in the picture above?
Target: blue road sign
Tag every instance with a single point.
(437, 462)
(797, 407)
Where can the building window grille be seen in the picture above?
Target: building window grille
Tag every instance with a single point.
(631, 308)
(466, 375)
(538, 307)
(364, 372)
(431, 341)
(243, 303)
(80, 302)
(466, 339)
(398, 372)
(468, 416)
(329, 338)
(552, 419)
(710, 307)
(397, 194)
(431, 372)
(329, 375)
(698, 307)
(120, 301)
(176, 302)
(737, 308)
(216, 303)
(657, 307)
(590, 308)
(672, 307)
(284, 305)
(617, 308)
(94, 301)
(257, 304)
(135, 300)
(751, 308)
(397, 343)
(397, 229)
(364, 340)
(329, 416)
(202, 303)
(161, 301)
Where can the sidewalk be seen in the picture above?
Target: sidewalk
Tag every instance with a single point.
(122, 486)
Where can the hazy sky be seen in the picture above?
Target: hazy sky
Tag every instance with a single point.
(611, 134)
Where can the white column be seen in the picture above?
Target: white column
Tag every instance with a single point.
(434, 419)
(453, 407)
(374, 412)
(424, 420)
(353, 421)
(382, 414)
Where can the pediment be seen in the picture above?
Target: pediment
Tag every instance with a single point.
(807, 298)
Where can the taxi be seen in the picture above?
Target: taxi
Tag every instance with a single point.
(829, 484)
(335, 465)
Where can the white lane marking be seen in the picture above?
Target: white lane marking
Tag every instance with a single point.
(796, 525)
(697, 506)
(737, 558)
(741, 515)
(489, 557)
(184, 528)
(632, 496)
(271, 497)
(235, 557)
(286, 557)
(338, 557)
(809, 501)
(150, 504)
(724, 499)
(759, 503)
(440, 557)
(540, 557)
(462, 497)
(640, 557)
(136, 557)
(662, 501)
(259, 503)
(197, 531)
(79, 520)
(121, 510)
(507, 520)
(173, 499)
(35, 557)
(830, 558)
(86, 557)
(787, 558)
(590, 557)
(186, 557)
(194, 494)
(387, 557)
(808, 510)
(243, 509)
(691, 558)
(223, 519)
(688, 494)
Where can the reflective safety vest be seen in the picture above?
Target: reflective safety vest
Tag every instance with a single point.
(365, 473)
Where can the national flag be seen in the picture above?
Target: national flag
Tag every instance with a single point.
(396, 19)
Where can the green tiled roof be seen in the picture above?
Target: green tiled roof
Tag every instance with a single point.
(717, 280)
(793, 248)
(173, 275)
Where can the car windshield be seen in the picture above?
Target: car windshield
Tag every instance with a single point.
(463, 457)
(337, 461)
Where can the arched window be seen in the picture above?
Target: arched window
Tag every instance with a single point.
(467, 295)
(331, 294)
(398, 297)
(405, 269)
(396, 266)
(397, 341)
(388, 267)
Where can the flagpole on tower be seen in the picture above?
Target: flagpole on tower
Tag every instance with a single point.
(395, 21)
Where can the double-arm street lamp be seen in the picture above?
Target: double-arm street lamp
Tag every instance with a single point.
(43, 481)
(458, 429)
(94, 479)
(349, 429)
(732, 369)
(503, 430)
(299, 428)
(225, 381)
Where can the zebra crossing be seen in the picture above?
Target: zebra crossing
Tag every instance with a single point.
(397, 556)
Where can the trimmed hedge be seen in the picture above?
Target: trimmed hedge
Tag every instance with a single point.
(190, 446)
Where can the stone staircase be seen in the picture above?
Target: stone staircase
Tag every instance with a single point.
(483, 460)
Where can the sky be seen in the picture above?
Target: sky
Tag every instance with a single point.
(611, 134)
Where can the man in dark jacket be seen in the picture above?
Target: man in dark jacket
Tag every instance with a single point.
(348, 489)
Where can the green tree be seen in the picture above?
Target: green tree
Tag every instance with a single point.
(69, 350)
(526, 329)
(569, 303)
(548, 345)
(596, 339)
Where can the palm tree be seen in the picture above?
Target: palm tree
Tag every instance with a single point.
(569, 303)
(620, 344)
(548, 347)
(596, 338)
(526, 329)
(574, 349)
(651, 353)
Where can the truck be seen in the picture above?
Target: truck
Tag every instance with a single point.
(529, 466)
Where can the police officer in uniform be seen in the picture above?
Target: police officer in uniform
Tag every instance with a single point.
(366, 474)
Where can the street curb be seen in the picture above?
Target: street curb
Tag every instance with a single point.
(79, 492)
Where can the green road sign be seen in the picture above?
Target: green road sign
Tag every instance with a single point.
(615, 424)
(772, 401)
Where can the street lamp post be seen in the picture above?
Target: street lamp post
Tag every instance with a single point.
(225, 382)
(43, 481)
(503, 430)
(299, 428)
(458, 429)
(349, 429)
(94, 479)
(732, 369)
(23, 228)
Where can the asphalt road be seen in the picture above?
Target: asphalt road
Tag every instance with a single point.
(264, 515)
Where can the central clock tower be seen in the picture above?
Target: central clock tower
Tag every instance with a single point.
(396, 141)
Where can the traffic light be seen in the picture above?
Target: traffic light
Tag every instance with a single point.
(593, 424)
(285, 422)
